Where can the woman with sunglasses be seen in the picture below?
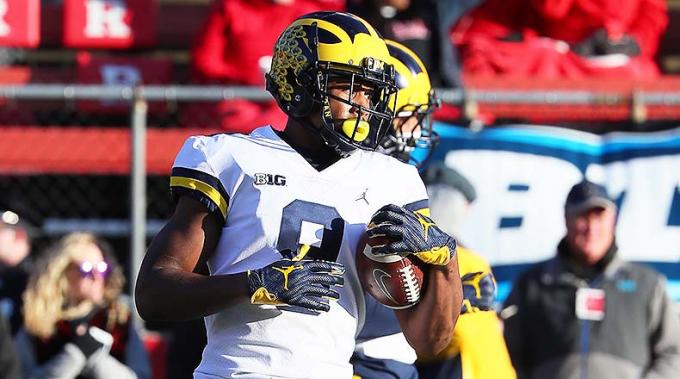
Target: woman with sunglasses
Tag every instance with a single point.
(76, 323)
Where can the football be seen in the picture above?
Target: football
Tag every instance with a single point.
(394, 281)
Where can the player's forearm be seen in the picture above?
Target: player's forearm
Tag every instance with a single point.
(428, 326)
(167, 288)
(167, 294)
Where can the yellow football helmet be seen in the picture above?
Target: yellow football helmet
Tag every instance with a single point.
(415, 98)
(323, 47)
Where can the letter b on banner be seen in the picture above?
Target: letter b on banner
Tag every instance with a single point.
(109, 23)
(19, 23)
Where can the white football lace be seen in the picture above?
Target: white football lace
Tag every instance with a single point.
(410, 283)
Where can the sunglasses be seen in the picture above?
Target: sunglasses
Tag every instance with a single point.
(90, 269)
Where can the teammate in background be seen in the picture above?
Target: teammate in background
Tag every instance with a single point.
(380, 351)
(416, 102)
(278, 217)
(477, 349)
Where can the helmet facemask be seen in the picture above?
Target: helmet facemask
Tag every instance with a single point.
(372, 121)
(401, 143)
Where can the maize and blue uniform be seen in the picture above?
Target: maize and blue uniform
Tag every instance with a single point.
(477, 349)
(271, 201)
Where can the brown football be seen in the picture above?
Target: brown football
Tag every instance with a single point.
(395, 281)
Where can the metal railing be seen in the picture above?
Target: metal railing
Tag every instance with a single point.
(139, 97)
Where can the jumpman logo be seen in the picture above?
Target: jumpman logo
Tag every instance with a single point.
(363, 196)
(425, 224)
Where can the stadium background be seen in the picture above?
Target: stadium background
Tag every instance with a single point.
(66, 116)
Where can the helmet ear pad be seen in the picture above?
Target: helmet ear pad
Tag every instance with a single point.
(302, 103)
(302, 100)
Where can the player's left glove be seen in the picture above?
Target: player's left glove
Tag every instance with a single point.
(306, 283)
(411, 233)
(479, 291)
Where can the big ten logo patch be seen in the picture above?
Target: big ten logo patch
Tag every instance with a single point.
(269, 179)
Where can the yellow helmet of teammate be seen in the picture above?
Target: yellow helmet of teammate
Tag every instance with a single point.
(415, 98)
(333, 46)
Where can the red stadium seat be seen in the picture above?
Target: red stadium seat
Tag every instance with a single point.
(109, 23)
(120, 70)
(20, 23)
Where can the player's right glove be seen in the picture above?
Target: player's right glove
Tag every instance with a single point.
(410, 232)
(479, 291)
(305, 283)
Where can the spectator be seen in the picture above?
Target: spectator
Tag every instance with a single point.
(76, 324)
(477, 349)
(562, 38)
(415, 25)
(586, 313)
(15, 266)
(10, 368)
(235, 48)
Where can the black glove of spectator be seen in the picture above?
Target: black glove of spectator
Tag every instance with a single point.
(592, 45)
(599, 43)
(626, 45)
(90, 339)
(74, 324)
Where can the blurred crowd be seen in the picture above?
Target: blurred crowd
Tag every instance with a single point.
(458, 41)
(531, 39)
(64, 314)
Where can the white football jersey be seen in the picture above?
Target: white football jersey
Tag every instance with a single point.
(272, 201)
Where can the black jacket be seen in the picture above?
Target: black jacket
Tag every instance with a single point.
(639, 335)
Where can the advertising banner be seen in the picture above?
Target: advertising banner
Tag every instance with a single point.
(522, 174)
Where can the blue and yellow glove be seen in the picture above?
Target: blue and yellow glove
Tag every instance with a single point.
(411, 233)
(479, 292)
(305, 283)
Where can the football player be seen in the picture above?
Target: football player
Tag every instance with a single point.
(278, 217)
(382, 350)
(477, 349)
(415, 104)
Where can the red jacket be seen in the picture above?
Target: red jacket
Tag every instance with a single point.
(542, 23)
(239, 33)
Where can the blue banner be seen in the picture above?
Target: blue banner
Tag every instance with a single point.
(522, 174)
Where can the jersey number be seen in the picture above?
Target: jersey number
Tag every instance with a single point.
(292, 218)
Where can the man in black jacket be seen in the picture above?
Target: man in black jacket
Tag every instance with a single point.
(10, 367)
(15, 266)
(586, 313)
